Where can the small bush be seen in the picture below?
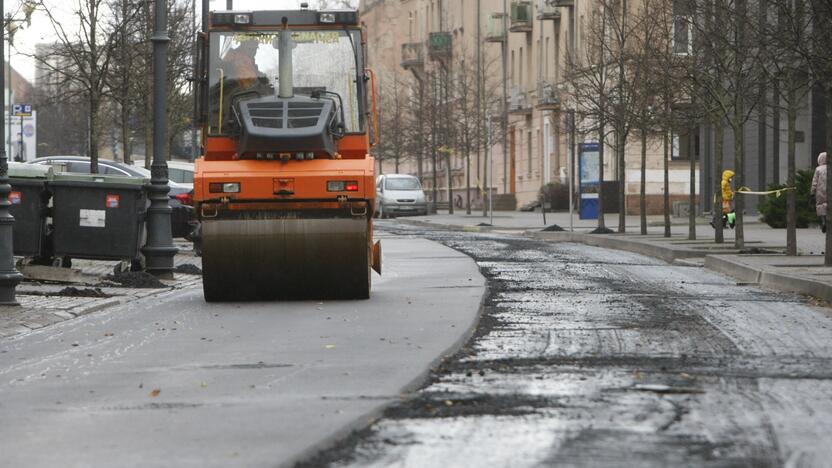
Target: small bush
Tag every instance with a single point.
(773, 208)
(556, 194)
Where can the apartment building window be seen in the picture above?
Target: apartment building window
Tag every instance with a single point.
(520, 68)
(682, 28)
(511, 78)
(431, 18)
(685, 145)
(529, 153)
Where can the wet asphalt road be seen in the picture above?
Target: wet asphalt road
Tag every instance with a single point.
(593, 357)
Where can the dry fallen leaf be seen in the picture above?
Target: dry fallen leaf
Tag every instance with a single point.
(330, 346)
(155, 392)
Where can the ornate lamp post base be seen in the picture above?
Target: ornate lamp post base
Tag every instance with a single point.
(9, 276)
(159, 251)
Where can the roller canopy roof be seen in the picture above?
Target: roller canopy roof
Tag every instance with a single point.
(294, 17)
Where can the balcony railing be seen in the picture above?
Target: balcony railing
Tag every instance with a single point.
(518, 101)
(496, 29)
(440, 45)
(546, 10)
(548, 96)
(521, 16)
(412, 55)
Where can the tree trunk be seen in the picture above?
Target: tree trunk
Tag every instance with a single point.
(601, 224)
(828, 251)
(148, 85)
(739, 202)
(93, 132)
(126, 147)
(791, 199)
(125, 90)
(621, 142)
(692, 192)
(642, 193)
(148, 128)
(666, 171)
(467, 182)
(486, 192)
(719, 141)
(450, 183)
(420, 154)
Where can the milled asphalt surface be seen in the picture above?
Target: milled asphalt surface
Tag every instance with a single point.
(592, 357)
(178, 382)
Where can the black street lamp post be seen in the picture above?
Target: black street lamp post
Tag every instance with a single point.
(159, 250)
(9, 276)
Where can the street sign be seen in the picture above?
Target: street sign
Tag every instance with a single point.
(22, 110)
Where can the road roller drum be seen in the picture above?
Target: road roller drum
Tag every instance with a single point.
(273, 255)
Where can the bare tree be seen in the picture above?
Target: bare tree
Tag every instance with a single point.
(817, 53)
(467, 125)
(82, 58)
(621, 28)
(791, 27)
(667, 68)
(588, 75)
(650, 70)
(393, 119)
(725, 76)
(470, 133)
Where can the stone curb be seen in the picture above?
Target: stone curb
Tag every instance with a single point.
(618, 243)
(734, 267)
(727, 264)
(93, 306)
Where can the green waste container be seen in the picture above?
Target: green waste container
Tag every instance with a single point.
(29, 199)
(97, 216)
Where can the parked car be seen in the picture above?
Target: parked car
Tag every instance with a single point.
(399, 194)
(181, 195)
(181, 172)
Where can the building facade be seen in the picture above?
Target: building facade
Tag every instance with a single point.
(522, 48)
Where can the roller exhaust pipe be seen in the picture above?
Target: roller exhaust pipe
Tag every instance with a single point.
(284, 47)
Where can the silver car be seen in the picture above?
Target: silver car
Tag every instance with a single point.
(399, 194)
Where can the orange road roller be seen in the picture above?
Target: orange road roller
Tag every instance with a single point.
(284, 191)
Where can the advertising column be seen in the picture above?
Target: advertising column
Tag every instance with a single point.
(589, 170)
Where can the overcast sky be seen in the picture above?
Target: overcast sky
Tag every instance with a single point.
(42, 31)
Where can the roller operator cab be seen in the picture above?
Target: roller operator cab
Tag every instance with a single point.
(285, 189)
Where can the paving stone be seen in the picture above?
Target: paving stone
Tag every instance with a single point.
(41, 306)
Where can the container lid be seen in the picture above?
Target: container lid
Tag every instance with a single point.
(19, 170)
(99, 179)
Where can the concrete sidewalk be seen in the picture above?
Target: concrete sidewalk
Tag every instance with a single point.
(762, 261)
(44, 303)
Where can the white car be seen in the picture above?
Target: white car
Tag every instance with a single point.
(180, 172)
(399, 194)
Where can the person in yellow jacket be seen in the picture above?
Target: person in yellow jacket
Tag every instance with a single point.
(729, 217)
